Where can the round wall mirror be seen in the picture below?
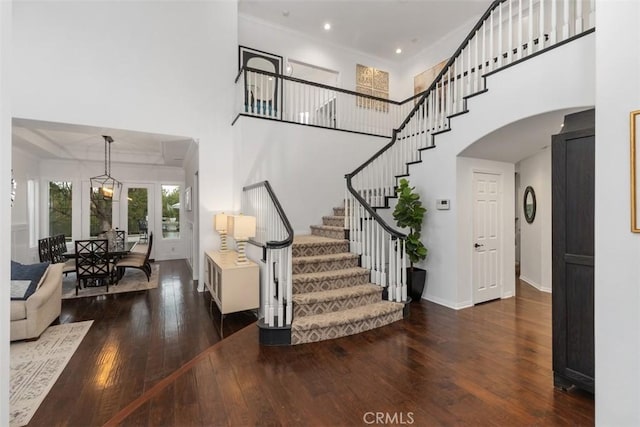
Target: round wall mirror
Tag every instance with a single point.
(529, 204)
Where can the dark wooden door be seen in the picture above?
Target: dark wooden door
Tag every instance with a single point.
(573, 174)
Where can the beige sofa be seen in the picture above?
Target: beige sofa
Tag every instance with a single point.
(31, 317)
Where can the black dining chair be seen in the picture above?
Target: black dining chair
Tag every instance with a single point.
(57, 248)
(44, 250)
(93, 263)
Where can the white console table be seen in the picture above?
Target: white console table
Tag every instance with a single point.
(233, 287)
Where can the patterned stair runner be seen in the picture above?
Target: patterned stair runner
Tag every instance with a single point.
(332, 296)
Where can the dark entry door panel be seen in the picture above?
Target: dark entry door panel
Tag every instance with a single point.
(573, 182)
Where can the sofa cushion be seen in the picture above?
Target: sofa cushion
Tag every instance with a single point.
(18, 310)
(32, 272)
(19, 289)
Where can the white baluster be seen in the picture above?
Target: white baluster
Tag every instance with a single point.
(565, 20)
(553, 37)
(530, 22)
(520, 29)
(270, 290)
(579, 22)
(500, 36)
(281, 278)
(289, 282)
(383, 259)
(476, 63)
(392, 270)
(403, 292)
(484, 47)
(541, 20)
(510, 41)
(592, 13)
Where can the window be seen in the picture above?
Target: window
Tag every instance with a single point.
(60, 211)
(171, 211)
(137, 212)
(101, 214)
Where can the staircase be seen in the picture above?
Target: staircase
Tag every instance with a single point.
(332, 294)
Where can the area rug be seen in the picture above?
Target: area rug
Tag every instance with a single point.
(133, 280)
(36, 365)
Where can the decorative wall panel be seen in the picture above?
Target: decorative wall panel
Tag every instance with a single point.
(371, 81)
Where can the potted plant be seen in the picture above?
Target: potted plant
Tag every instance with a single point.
(409, 213)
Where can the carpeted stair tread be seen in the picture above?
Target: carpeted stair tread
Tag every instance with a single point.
(353, 315)
(324, 258)
(328, 275)
(337, 294)
(309, 245)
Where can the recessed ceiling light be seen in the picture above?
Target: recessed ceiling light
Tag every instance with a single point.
(327, 26)
(398, 51)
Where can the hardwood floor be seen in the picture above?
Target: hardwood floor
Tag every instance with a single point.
(486, 365)
(136, 340)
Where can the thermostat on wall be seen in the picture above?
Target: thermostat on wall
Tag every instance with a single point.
(442, 204)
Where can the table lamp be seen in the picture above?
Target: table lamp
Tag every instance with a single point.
(241, 228)
(220, 225)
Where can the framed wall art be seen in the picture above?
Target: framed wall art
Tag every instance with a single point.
(374, 82)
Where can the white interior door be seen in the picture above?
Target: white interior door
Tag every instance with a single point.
(487, 199)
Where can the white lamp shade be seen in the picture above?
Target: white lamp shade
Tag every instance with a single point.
(241, 227)
(220, 222)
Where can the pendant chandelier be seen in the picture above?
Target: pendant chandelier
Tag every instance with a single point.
(105, 187)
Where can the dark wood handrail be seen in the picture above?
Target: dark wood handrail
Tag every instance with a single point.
(433, 85)
(422, 96)
(394, 233)
(320, 85)
(272, 244)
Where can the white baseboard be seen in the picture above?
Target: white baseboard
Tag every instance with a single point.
(447, 303)
(535, 285)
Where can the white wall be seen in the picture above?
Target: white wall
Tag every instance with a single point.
(304, 165)
(158, 67)
(433, 54)
(510, 98)
(535, 238)
(260, 35)
(617, 250)
(192, 246)
(24, 167)
(5, 209)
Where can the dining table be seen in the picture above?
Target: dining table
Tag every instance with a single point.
(120, 250)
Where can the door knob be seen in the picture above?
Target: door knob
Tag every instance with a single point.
(477, 245)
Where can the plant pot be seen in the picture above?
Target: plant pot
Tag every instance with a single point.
(415, 282)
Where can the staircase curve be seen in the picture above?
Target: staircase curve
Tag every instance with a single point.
(502, 39)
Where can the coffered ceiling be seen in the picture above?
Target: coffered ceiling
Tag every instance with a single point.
(85, 143)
